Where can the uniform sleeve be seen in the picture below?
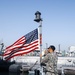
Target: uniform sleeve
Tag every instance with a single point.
(45, 59)
(55, 60)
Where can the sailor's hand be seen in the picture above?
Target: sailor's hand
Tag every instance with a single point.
(40, 55)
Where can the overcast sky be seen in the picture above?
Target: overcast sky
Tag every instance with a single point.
(16, 20)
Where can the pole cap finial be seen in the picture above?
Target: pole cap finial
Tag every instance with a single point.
(38, 17)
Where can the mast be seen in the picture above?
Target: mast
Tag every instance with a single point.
(39, 20)
(59, 48)
(2, 45)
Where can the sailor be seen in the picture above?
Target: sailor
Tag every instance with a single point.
(51, 61)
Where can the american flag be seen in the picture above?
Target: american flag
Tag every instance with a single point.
(24, 45)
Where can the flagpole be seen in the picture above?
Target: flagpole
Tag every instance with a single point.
(38, 19)
(40, 34)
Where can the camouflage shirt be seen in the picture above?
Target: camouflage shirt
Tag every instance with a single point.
(51, 62)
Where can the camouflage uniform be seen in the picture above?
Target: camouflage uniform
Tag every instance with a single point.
(51, 63)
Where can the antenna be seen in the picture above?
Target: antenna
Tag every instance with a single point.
(59, 48)
(2, 46)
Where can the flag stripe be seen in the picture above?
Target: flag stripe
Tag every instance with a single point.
(23, 48)
(21, 53)
(26, 45)
(24, 51)
(16, 42)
